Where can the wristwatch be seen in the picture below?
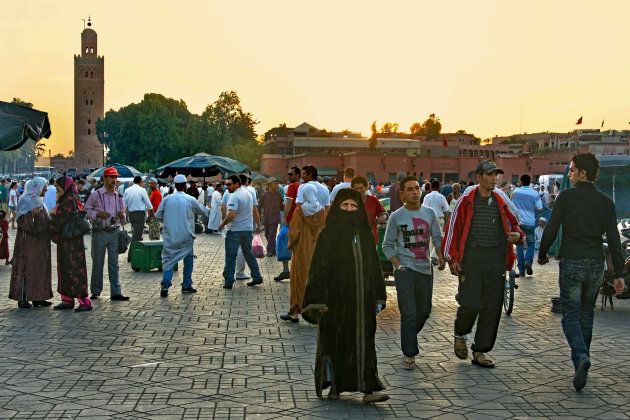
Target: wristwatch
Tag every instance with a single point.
(399, 268)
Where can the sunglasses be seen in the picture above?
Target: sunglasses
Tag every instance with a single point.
(290, 174)
(229, 184)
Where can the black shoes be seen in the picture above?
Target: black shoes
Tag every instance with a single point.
(227, 286)
(83, 308)
(528, 269)
(119, 297)
(64, 305)
(287, 317)
(254, 282)
(164, 291)
(25, 305)
(282, 276)
(189, 289)
(94, 296)
(581, 373)
(41, 303)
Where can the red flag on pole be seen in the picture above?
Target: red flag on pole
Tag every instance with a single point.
(579, 121)
(444, 140)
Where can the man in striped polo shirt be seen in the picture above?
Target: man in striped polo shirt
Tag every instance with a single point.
(479, 249)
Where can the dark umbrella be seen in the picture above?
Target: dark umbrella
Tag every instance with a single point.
(19, 123)
(124, 171)
(202, 165)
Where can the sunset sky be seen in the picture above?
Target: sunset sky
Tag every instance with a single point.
(335, 64)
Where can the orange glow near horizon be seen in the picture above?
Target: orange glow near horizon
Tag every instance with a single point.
(336, 65)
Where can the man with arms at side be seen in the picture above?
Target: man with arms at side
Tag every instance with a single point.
(406, 244)
(585, 214)
(479, 249)
(528, 203)
(348, 174)
(137, 203)
(394, 193)
(440, 206)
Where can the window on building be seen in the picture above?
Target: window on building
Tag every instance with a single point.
(89, 131)
(91, 74)
(86, 74)
(89, 121)
(86, 102)
(88, 161)
(91, 102)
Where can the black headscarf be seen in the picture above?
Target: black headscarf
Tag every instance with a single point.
(345, 224)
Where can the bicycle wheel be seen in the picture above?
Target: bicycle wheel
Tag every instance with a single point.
(508, 293)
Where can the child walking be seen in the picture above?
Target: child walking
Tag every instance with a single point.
(4, 242)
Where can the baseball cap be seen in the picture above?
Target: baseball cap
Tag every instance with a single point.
(154, 180)
(271, 180)
(179, 179)
(110, 172)
(488, 167)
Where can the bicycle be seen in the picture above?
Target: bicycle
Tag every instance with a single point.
(508, 292)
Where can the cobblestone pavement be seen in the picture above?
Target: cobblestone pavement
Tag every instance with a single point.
(225, 354)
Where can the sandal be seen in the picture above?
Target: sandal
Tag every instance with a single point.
(461, 348)
(481, 360)
(407, 365)
(374, 398)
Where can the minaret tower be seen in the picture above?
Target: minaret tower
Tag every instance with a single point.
(89, 87)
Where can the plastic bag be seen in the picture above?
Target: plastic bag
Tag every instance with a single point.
(282, 242)
(257, 247)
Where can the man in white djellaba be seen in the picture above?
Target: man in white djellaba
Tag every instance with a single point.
(215, 209)
(177, 212)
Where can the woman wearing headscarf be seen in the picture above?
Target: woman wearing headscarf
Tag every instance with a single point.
(344, 292)
(71, 266)
(30, 274)
(306, 223)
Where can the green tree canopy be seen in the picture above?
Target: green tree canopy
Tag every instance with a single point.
(159, 130)
(430, 128)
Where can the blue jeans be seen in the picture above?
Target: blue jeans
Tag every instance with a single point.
(528, 257)
(234, 240)
(579, 285)
(414, 291)
(167, 275)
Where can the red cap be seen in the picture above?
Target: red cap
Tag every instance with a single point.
(110, 172)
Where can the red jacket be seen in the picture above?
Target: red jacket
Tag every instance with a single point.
(454, 242)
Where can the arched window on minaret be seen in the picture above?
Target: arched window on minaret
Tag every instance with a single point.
(89, 121)
(91, 74)
(86, 102)
(91, 102)
(86, 74)
(89, 131)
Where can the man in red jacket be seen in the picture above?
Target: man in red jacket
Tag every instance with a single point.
(479, 249)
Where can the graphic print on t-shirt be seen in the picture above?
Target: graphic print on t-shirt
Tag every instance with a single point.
(416, 240)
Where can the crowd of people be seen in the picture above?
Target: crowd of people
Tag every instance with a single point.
(331, 233)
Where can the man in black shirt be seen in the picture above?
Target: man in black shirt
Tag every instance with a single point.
(83, 193)
(585, 214)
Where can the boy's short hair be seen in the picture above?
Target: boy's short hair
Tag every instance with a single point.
(405, 180)
(359, 180)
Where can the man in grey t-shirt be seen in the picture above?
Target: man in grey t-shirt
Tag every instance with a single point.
(406, 244)
(240, 227)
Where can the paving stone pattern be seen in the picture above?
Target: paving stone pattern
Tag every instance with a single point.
(225, 354)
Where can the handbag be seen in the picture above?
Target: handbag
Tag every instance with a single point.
(123, 241)
(77, 226)
(257, 247)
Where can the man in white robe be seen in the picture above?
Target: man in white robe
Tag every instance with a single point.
(177, 212)
(215, 210)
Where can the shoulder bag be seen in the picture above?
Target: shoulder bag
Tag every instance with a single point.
(78, 225)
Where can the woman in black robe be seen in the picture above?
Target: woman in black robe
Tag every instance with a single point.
(344, 292)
